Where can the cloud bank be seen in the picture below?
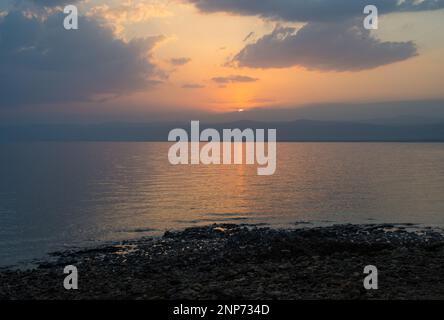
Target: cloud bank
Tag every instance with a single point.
(41, 62)
(53, 3)
(323, 46)
(332, 39)
(319, 10)
(46, 3)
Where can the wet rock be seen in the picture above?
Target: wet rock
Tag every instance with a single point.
(247, 262)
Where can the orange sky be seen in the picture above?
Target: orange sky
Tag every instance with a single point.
(207, 41)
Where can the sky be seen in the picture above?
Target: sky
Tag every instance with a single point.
(164, 60)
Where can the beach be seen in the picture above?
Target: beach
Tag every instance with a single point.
(228, 261)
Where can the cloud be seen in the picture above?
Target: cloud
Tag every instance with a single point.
(41, 62)
(193, 86)
(234, 79)
(50, 3)
(128, 11)
(332, 39)
(345, 46)
(319, 10)
(179, 61)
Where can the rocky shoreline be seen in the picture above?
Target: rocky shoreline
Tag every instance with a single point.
(247, 262)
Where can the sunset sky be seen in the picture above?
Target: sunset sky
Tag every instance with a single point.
(152, 59)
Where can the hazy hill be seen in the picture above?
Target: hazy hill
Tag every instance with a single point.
(299, 130)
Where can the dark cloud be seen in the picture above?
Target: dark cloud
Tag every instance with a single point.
(343, 46)
(193, 86)
(180, 61)
(36, 5)
(41, 62)
(332, 39)
(319, 10)
(233, 79)
(51, 3)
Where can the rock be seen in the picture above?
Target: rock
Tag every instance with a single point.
(232, 261)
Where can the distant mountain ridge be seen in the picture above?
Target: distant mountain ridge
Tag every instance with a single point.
(395, 112)
(298, 130)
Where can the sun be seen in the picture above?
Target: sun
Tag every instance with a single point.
(240, 110)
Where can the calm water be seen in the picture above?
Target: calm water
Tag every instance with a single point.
(58, 195)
